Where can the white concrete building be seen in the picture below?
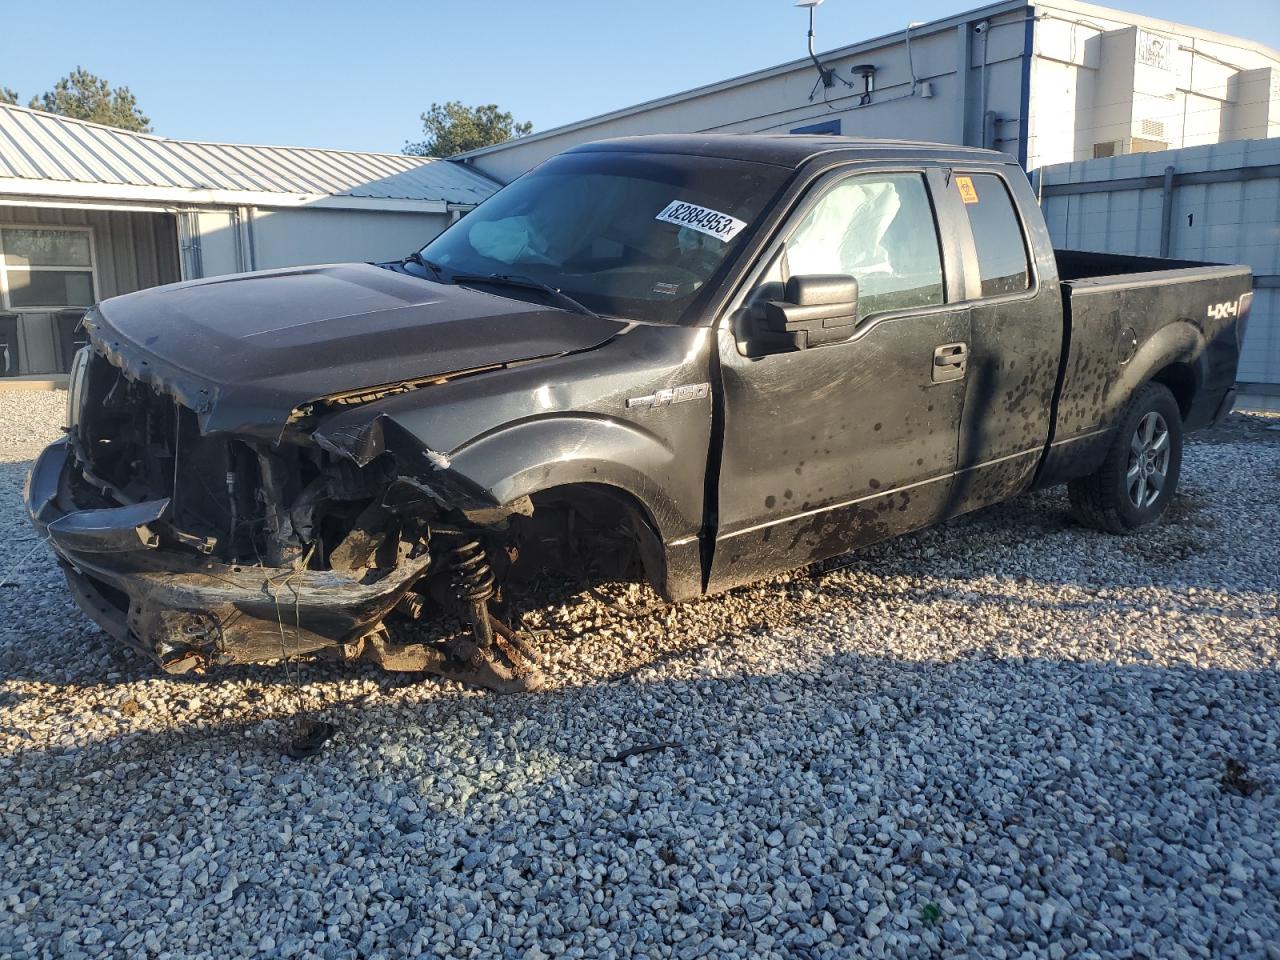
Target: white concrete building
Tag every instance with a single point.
(1049, 83)
(88, 212)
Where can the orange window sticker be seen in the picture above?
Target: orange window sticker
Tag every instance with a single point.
(968, 193)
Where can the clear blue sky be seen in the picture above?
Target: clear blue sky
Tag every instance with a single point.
(358, 75)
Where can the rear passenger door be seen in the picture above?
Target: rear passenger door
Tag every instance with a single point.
(1015, 328)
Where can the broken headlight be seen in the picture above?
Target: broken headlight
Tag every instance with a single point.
(76, 383)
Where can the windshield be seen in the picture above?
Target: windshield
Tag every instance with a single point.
(630, 235)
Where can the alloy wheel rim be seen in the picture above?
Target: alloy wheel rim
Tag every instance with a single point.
(1149, 456)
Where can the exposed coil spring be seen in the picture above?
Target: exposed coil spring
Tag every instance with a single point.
(472, 576)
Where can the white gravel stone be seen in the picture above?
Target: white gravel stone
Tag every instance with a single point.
(1004, 737)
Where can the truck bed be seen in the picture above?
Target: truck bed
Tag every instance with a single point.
(1091, 265)
(1126, 317)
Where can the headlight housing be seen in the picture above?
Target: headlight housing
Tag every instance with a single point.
(76, 383)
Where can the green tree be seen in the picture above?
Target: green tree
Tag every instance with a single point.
(87, 97)
(8, 96)
(453, 128)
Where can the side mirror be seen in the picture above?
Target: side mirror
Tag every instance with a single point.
(816, 309)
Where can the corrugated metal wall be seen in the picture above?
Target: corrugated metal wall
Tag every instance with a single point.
(1224, 208)
(132, 250)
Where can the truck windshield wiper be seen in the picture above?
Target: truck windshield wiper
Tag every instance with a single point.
(422, 261)
(528, 283)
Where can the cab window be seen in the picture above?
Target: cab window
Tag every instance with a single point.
(997, 234)
(879, 229)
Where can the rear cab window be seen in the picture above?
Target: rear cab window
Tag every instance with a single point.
(1001, 246)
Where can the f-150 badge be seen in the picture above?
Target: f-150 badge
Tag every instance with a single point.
(666, 397)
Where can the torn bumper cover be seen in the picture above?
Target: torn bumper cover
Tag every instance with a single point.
(188, 611)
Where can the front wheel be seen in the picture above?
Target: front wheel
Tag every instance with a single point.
(1138, 478)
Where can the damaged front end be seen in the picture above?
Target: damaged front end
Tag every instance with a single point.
(226, 548)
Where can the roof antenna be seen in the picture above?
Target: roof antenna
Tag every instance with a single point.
(826, 76)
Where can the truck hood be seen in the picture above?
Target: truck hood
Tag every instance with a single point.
(245, 351)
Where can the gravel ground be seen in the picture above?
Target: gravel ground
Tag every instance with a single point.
(1005, 737)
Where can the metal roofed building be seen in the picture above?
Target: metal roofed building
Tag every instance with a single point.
(89, 212)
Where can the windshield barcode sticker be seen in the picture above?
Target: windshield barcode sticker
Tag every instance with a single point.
(711, 222)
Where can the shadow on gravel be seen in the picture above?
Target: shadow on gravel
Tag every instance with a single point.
(1108, 765)
(1240, 428)
(1102, 756)
(1107, 711)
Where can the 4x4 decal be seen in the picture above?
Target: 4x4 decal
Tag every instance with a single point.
(1224, 310)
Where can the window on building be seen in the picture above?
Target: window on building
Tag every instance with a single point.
(826, 126)
(1147, 145)
(46, 267)
(879, 230)
(997, 234)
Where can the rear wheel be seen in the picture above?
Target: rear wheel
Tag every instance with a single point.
(1139, 476)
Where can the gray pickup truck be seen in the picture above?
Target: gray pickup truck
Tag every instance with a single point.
(692, 361)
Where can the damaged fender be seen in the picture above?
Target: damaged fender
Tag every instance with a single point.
(494, 475)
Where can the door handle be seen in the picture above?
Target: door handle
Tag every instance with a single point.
(949, 362)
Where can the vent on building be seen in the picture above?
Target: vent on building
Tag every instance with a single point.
(1141, 145)
(1153, 128)
(1109, 149)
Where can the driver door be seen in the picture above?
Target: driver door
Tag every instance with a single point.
(837, 445)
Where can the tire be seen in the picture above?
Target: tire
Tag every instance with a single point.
(1139, 476)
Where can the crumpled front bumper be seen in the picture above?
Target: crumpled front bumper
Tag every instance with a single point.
(184, 609)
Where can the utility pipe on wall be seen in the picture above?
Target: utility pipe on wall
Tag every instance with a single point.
(981, 29)
(1166, 212)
